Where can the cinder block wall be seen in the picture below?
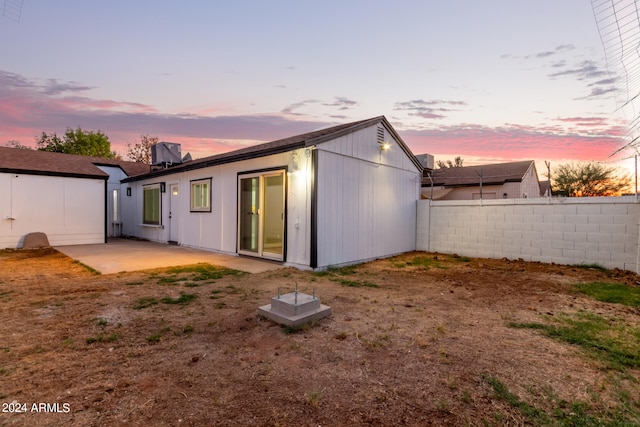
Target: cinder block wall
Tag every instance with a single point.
(601, 230)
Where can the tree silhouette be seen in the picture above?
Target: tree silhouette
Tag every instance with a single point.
(457, 163)
(589, 179)
(141, 151)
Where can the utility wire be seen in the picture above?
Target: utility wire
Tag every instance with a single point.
(618, 23)
(12, 9)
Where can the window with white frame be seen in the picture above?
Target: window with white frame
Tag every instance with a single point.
(151, 204)
(116, 207)
(201, 195)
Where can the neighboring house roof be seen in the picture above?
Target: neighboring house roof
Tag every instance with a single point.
(35, 162)
(281, 146)
(468, 176)
(545, 186)
(130, 168)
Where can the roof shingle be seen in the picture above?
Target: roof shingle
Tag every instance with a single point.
(14, 160)
(470, 175)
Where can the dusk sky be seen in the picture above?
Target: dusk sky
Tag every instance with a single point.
(489, 81)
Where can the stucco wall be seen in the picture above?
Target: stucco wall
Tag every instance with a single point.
(561, 230)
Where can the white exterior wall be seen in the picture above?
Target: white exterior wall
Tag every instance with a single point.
(114, 219)
(528, 188)
(217, 230)
(489, 192)
(530, 185)
(70, 211)
(601, 230)
(366, 199)
(365, 204)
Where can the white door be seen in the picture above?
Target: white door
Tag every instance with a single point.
(174, 207)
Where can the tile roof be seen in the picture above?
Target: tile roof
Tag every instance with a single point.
(470, 175)
(281, 146)
(14, 160)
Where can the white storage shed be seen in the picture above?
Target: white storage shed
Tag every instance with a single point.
(72, 199)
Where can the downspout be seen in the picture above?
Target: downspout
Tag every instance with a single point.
(314, 210)
(429, 222)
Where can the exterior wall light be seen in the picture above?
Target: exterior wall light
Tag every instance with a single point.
(385, 146)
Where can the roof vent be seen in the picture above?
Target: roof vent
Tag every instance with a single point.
(380, 135)
(165, 154)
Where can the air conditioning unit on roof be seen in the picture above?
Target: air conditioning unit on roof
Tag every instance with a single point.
(165, 154)
(427, 160)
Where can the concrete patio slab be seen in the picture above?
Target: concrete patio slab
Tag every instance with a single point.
(119, 255)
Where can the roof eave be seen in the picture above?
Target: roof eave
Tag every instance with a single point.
(103, 176)
(185, 167)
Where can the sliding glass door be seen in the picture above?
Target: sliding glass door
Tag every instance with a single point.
(261, 205)
(249, 214)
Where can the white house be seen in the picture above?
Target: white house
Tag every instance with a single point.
(514, 180)
(73, 199)
(331, 197)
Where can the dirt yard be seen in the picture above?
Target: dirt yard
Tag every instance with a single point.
(420, 339)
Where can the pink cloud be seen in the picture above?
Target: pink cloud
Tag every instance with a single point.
(28, 108)
(584, 121)
(77, 103)
(514, 142)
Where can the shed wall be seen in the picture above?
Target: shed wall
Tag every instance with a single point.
(71, 211)
(366, 199)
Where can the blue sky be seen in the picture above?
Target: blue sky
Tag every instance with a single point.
(489, 81)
